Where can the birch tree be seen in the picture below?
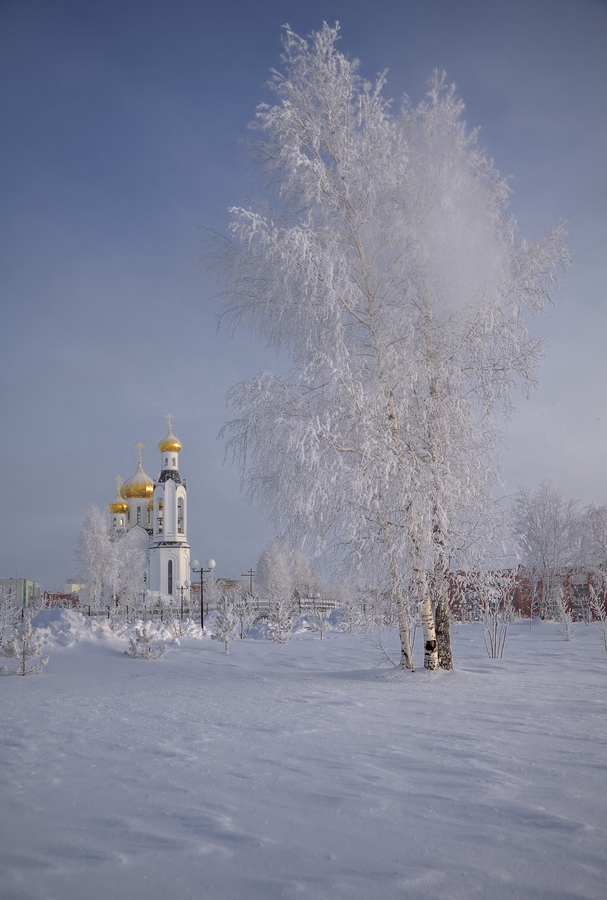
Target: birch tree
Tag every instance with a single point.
(548, 528)
(95, 558)
(381, 258)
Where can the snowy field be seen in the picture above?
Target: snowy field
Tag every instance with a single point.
(302, 771)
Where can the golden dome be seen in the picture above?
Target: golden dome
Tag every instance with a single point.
(169, 444)
(138, 485)
(118, 505)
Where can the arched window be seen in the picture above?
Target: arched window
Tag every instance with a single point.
(159, 518)
(180, 516)
(166, 461)
(174, 463)
(139, 515)
(128, 516)
(114, 520)
(170, 577)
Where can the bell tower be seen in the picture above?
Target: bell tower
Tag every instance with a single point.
(169, 548)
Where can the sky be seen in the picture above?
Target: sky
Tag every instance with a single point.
(122, 142)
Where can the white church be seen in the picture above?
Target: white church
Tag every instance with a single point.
(153, 516)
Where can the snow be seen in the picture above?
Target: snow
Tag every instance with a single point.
(304, 770)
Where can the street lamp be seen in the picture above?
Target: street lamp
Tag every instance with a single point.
(186, 586)
(197, 568)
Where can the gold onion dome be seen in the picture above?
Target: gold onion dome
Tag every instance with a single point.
(138, 485)
(169, 444)
(118, 504)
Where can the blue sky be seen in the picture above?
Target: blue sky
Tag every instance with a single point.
(121, 129)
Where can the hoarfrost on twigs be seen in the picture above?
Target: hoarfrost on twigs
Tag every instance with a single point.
(383, 260)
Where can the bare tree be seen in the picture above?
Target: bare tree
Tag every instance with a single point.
(382, 258)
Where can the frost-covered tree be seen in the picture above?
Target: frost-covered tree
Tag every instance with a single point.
(280, 621)
(274, 571)
(95, 557)
(598, 609)
(548, 529)
(382, 259)
(141, 644)
(594, 540)
(130, 564)
(281, 572)
(562, 614)
(225, 621)
(244, 607)
(25, 646)
(9, 613)
(109, 563)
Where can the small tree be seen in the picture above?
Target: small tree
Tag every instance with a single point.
(244, 610)
(562, 614)
(280, 620)
(24, 645)
(225, 621)
(598, 611)
(141, 644)
(9, 613)
(318, 616)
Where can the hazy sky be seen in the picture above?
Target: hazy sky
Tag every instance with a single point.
(121, 124)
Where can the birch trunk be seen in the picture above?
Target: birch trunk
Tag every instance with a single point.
(441, 587)
(419, 570)
(425, 602)
(406, 659)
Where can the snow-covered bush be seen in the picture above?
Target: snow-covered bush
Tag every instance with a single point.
(141, 646)
(24, 645)
(492, 594)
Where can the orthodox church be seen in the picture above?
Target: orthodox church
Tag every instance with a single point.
(152, 515)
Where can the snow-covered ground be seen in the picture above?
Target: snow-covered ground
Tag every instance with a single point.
(301, 771)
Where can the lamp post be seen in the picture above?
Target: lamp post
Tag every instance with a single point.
(197, 568)
(250, 575)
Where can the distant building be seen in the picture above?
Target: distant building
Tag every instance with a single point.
(72, 587)
(22, 589)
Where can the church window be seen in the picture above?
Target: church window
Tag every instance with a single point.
(121, 520)
(139, 515)
(128, 516)
(174, 463)
(159, 518)
(180, 516)
(170, 577)
(114, 520)
(166, 461)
